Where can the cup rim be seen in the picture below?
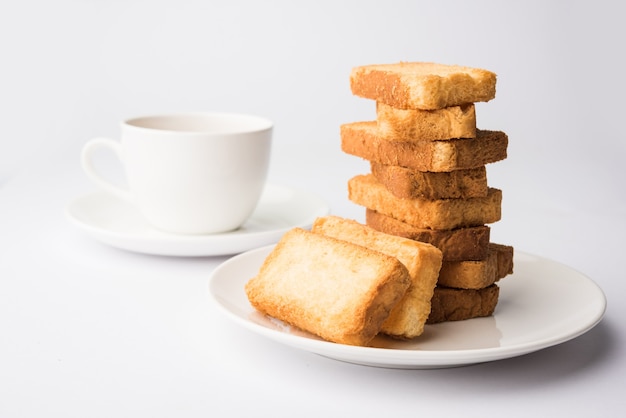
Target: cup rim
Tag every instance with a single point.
(232, 123)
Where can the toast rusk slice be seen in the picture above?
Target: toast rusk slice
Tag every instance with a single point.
(337, 290)
(460, 304)
(471, 243)
(366, 191)
(422, 85)
(422, 260)
(361, 139)
(408, 183)
(413, 125)
(478, 274)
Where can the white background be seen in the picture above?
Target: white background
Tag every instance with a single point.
(71, 70)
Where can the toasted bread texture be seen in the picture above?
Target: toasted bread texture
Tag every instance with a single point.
(408, 183)
(422, 261)
(361, 139)
(460, 244)
(422, 85)
(478, 274)
(366, 191)
(461, 304)
(412, 125)
(337, 290)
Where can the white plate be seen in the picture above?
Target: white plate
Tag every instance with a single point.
(119, 224)
(542, 304)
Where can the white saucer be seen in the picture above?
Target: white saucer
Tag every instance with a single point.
(542, 304)
(119, 224)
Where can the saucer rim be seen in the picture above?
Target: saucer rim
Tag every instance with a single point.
(170, 244)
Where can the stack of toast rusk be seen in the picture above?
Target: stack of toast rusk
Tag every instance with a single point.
(428, 179)
(424, 254)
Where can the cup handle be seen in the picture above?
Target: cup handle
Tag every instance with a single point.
(87, 163)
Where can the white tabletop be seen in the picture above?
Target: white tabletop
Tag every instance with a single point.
(93, 331)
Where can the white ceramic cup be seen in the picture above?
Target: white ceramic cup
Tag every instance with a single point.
(190, 173)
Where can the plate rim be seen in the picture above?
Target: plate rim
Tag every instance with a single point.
(409, 359)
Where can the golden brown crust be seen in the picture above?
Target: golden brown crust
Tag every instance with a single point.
(478, 274)
(337, 290)
(407, 183)
(422, 261)
(412, 125)
(361, 139)
(471, 243)
(460, 304)
(366, 191)
(422, 85)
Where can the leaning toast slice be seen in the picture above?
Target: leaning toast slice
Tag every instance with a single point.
(337, 290)
(422, 261)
